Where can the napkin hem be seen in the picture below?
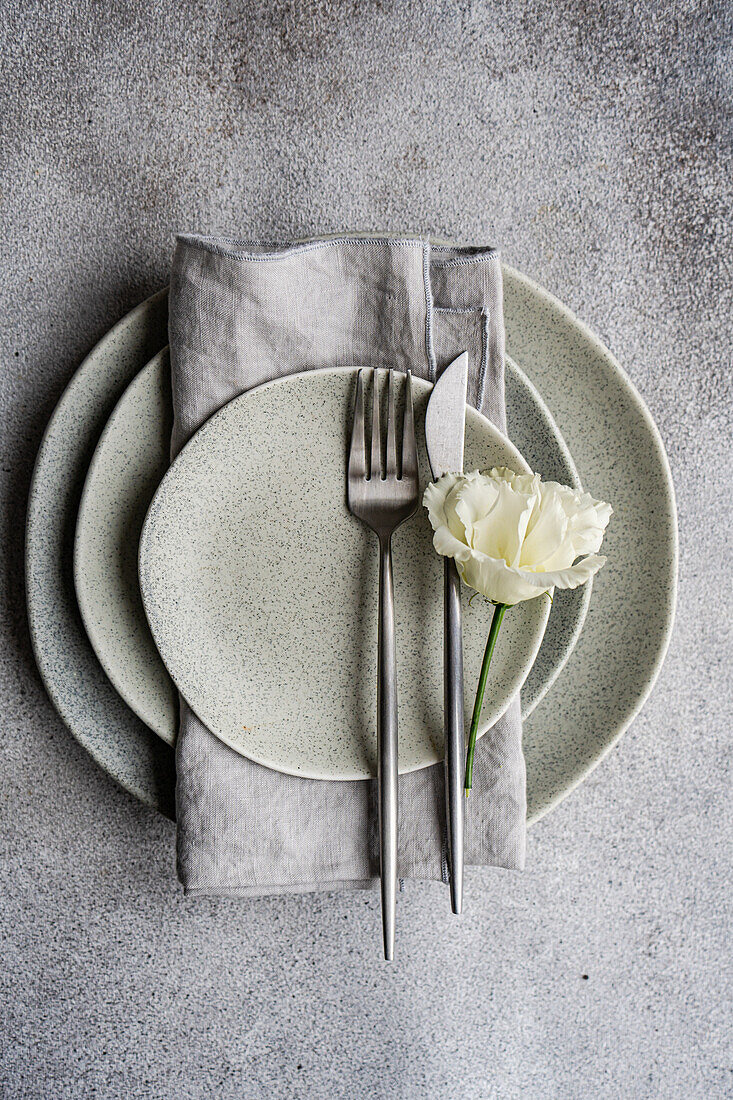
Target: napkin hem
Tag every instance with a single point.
(214, 244)
(278, 889)
(462, 256)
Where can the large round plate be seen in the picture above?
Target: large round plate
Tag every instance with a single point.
(611, 671)
(621, 459)
(74, 679)
(260, 587)
(126, 469)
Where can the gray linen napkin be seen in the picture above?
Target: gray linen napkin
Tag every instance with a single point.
(240, 315)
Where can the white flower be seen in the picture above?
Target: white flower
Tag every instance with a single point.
(514, 536)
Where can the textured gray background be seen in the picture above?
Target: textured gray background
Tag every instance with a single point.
(596, 148)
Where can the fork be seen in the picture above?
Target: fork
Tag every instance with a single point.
(383, 500)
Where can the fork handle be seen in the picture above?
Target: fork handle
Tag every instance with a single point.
(387, 746)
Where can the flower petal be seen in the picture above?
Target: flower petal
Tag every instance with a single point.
(434, 498)
(494, 579)
(546, 537)
(500, 533)
(572, 577)
(587, 518)
(449, 546)
(473, 501)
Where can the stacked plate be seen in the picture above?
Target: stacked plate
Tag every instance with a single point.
(573, 415)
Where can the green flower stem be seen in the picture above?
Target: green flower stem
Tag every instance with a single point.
(499, 610)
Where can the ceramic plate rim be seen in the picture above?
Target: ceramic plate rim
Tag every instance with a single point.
(88, 617)
(577, 776)
(154, 790)
(32, 609)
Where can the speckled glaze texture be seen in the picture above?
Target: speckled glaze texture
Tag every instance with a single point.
(620, 455)
(126, 469)
(127, 466)
(249, 538)
(81, 692)
(532, 428)
(573, 727)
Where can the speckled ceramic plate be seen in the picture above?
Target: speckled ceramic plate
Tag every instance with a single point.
(126, 469)
(260, 587)
(81, 692)
(620, 457)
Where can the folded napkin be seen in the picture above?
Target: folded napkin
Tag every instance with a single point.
(240, 315)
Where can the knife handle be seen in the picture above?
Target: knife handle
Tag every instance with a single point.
(454, 730)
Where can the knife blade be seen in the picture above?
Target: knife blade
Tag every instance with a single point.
(445, 419)
(445, 422)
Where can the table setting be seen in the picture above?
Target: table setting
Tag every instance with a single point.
(200, 728)
(314, 561)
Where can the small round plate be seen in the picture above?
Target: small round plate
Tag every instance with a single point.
(128, 465)
(261, 588)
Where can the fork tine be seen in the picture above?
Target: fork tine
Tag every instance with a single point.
(409, 449)
(357, 454)
(375, 468)
(391, 431)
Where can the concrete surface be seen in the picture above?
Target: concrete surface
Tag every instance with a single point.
(594, 143)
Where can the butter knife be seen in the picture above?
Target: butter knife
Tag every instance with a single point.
(445, 422)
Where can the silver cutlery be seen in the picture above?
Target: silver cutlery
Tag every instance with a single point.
(444, 431)
(383, 496)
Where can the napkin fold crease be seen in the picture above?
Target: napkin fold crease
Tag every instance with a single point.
(241, 314)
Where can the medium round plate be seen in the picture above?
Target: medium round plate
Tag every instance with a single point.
(260, 587)
(626, 633)
(126, 469)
